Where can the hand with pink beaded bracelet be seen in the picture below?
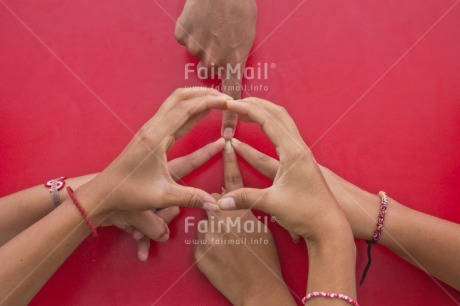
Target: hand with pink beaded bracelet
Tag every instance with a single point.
(427, 242)
(300, 200)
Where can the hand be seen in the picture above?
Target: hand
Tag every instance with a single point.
(139, 178)
(220, 33)
(153, 224)
(299, 198)
(355, 202)
(247, 273)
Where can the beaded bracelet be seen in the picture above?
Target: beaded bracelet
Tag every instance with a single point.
(377, 233)
(82, 211)
(329, 295)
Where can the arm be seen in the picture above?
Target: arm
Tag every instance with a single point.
(301, 201)
(429, 243)
(137, 180)
(247, 274)
(20, 210)
(220, 34)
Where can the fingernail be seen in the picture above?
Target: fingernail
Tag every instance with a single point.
(143, 256)
(210, 206)
(235, 141)
(227, 203)
(164, 237)
(228, 133)
(228, 147)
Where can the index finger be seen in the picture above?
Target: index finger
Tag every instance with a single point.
(231, 85)
(274, 121)
(179, 118)
(263, 163)
(232, 174)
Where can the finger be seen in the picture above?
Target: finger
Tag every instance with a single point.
(229, 123)
(178, 101)
(194, 120)
(263, 163)
(231, 85)
(143, 247)
(137, 234)
(177, 195)
(212, 214)
(274, 120)
(246, 198)
(182, 118)
(207, 68)
(151, 225)
(168, 214)
(182, 94)
(182, 166)
(232, 174)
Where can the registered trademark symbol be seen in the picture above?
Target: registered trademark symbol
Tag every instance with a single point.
(273, 219)
(273, 65)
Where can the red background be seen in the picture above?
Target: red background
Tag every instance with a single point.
(373, 86)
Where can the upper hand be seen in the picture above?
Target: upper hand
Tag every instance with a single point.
(220, 33)
(139, 178)
(153, 224)
(353, 200)
(299, 197)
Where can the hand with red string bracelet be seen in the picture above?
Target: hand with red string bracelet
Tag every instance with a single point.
(138, 180)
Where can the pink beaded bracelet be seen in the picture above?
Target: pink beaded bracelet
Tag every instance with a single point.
(377, 233)
(329, 295)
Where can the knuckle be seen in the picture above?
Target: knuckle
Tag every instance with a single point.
(194, 201)
(233, 179)
(262, 158)
(180, 93)
(180, 34)
(146, 136)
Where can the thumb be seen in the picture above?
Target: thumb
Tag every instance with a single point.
(191, 197)
(245, 198)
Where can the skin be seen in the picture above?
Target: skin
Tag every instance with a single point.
(22, 209)
(429, 243)
(246, 274)
(218, 33)
(301, 201)
(137, 180)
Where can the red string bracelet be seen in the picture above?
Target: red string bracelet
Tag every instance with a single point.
(82, 211)
(329, 295)
(377, 233)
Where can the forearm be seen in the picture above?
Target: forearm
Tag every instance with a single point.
(35, 254)
(331, 263)
(429, 243)
(20, 210)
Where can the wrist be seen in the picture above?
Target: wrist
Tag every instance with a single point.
(331, 264)
(94, 201)
(331, 225)
(275, 295)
